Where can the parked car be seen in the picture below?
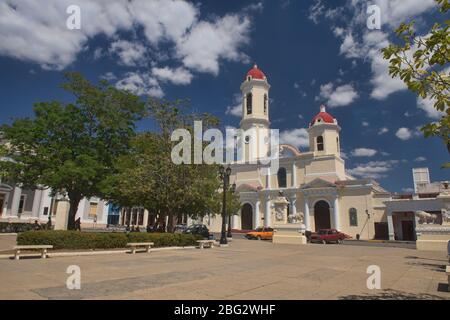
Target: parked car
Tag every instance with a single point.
(260, 234)
(199, 229)
(329, 235)
(180, 228)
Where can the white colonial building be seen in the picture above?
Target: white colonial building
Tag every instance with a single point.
(23, 205)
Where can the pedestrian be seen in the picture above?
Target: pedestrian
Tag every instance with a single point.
(36, 226)
(78, 224)
(49, 223)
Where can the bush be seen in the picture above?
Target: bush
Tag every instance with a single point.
(6, 227)
(165, 239)
(83, 240)
(17, 227)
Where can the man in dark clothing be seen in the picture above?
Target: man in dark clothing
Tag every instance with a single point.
(36, 226)
(78, 224)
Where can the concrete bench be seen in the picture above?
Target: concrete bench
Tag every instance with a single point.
(206, 243)
(42, 248)
(447, 271)
(135, 245)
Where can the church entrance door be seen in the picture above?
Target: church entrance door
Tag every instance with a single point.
(247, 217)
(322, 215)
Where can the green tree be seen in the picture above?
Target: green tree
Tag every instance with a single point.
(71, 147)
(147, 176)
(422, 63)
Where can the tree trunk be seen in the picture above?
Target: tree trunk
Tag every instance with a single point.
(74, 201)
(170, 223)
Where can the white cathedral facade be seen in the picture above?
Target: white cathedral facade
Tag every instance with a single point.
(310, 188)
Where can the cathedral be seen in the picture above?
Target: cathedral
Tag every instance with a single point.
(311, 189)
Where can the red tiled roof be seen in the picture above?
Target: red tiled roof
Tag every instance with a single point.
(256, 73)
(323, 116)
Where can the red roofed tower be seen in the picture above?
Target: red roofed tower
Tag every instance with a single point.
(255, 113)
(324, 134)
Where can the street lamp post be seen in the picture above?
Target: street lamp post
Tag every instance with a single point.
(225, 177)
(229, 234)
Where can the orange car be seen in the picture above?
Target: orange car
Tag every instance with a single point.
(260, 234)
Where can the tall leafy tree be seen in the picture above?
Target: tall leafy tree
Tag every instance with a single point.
(71, 147)
(422, 62)
(149, 178)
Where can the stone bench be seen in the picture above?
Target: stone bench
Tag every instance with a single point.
(206, 243)
(447, 271)
(42, 248)
(135, 245)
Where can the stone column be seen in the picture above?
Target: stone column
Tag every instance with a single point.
(267, 213)
(257, 217)
(306, 216)
(37, 202)
(15, 201)
(145, 217)
(235, 222)
(336, 216)
(390, 225)
(268, 179)
(294, 175)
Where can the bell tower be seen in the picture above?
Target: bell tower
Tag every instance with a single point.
(324, 134)
(255, 114)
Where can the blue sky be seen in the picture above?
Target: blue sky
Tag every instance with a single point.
(312, 52)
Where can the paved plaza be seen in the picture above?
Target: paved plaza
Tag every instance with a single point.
(245, 270)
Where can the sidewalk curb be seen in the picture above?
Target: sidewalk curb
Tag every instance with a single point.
(8, 234)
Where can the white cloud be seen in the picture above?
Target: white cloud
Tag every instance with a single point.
(363, 152)
(179, 75)
(207, 42)
(358, 42)
(408, 190)
(365, 124)
(420, 159)
(427, 105)
(236, 108)
(31, 31)
(383, 131)
(130, 53)
(373, 169)
(337, 96)
(140, 84)
(297, 137)
(109, 76)
(318, 10)
(404, 134)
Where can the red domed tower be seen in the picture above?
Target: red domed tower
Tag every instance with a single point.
(255, 111)
(324, 134)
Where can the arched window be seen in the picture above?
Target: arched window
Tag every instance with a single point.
(353, 215)
(282, 178)
(265, 104)
(338, 145)
(319, 143)
(249, 103)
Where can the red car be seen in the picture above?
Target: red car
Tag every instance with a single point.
(329, 235)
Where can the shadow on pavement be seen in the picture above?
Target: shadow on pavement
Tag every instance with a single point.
(393, 295)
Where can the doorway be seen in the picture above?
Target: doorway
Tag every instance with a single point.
(2, 203)
(322, 219)
(408, 230)
(247, 217)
